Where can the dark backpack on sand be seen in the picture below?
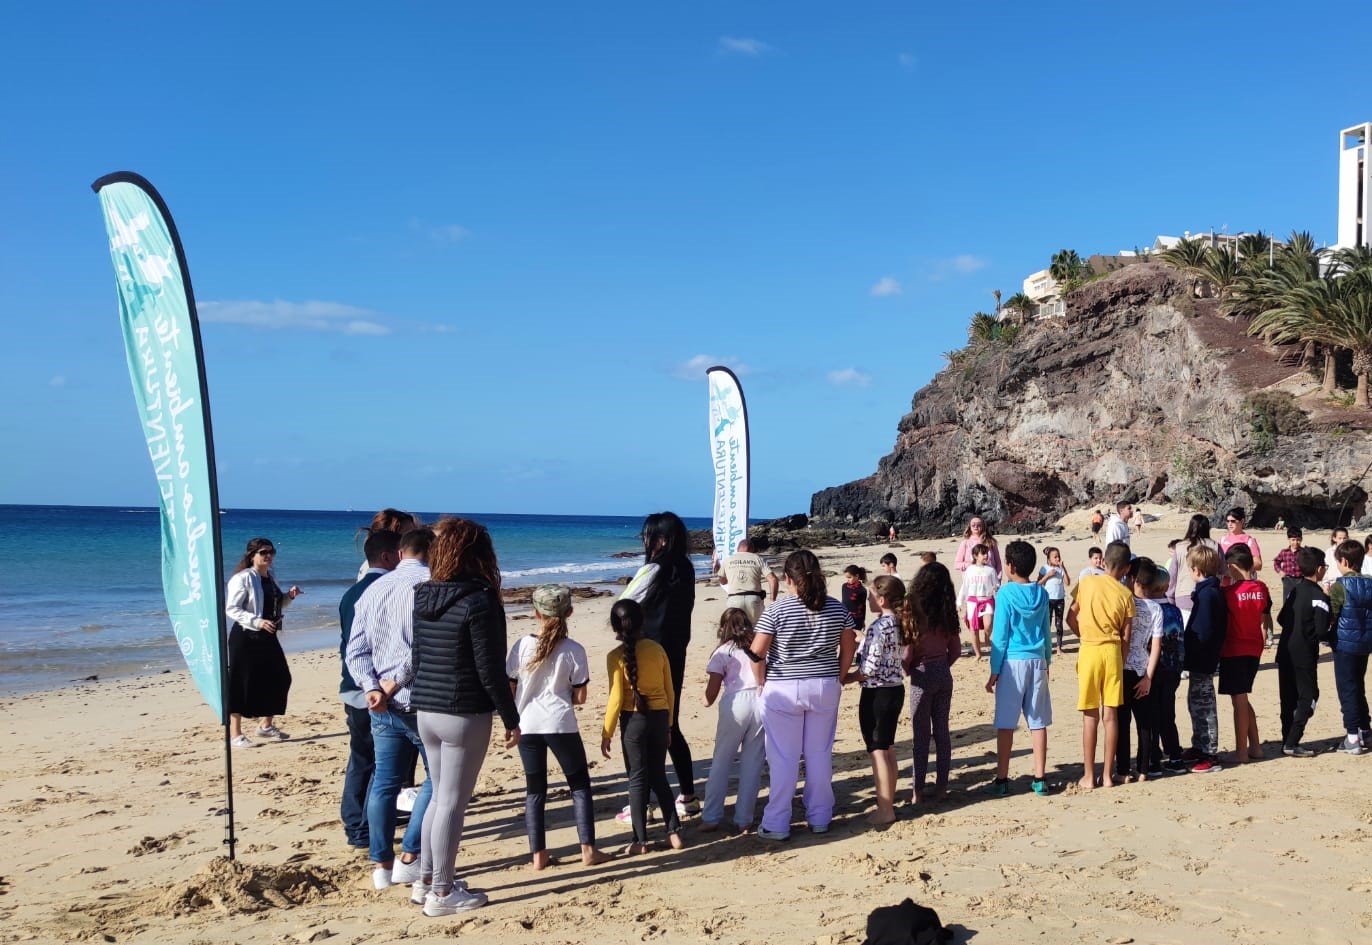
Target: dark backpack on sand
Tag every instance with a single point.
(905, 924)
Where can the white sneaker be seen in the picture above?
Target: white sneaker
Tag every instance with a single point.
(418, 892)
(685, 808)
(403, 874)
(243, 741)
(381, 878)
(624, 817)
(459, 900)
(406, 798)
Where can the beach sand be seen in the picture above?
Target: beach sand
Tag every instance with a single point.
(111, 793)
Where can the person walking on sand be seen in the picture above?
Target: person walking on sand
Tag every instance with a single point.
(383, 554)
(259, 678)
(808, 641)
(378, 649)
(665, 588)
(550, 675)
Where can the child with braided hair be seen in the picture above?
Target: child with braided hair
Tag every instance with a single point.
(641, 701)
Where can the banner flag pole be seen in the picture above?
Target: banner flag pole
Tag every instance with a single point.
(167, 368)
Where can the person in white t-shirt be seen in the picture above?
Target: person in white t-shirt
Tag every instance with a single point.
(739, 730)
(1116, 528)
(549, 674)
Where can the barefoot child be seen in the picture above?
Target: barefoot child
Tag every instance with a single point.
(1248, 607)
(1140, 668)
(1021, 650)
(1053, 578)
(640, 705)
(1304, 620)
(929, 621)
(1101, 616)
(1203, 639)
(977, 596)
(739, 729)
(549, 675)
(883, 693)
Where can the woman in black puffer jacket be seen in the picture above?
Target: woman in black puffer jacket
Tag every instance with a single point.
(458, 666)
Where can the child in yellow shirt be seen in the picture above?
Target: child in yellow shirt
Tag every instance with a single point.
(1101, 616)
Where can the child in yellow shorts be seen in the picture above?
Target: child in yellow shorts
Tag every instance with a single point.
(1101, 616)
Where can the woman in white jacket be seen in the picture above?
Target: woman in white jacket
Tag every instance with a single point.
(259, 679)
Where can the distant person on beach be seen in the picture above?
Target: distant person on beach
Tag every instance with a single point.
(1304, 620)
(1350, 604)
(665, 587)
(387, 520)
(929, 620)
(742, 574)
(808, 641)
(978, 533)
(1021, 652)
(1054, 579)
(1235, 535)
(1097, 522)
(891, 535)
(1179, 570)
(642, 706)
(855, 594)
(1206, 625)
(1096, 561)
(259, 679)
(456, 675)
(383, 554)
(977, 596)
(551, 675)
(879, 672)
(378, 651)
(738, 731)
(1101, 616)
(1137, 520)
(1287, 562)
(1116, 528)
(1141, 660)
(888, 566)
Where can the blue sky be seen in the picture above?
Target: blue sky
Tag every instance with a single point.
(477, 256)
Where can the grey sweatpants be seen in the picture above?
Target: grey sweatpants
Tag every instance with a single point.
(456, 748)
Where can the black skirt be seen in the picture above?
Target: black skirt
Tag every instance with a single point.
(259, 679)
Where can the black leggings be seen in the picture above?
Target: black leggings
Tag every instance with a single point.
(682, 763)
(1142, 710)
(643, 738)
(1055, 608)
(571, 758)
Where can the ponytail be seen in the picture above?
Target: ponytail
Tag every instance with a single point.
(554, 631)
(802, 567)
(626, 619)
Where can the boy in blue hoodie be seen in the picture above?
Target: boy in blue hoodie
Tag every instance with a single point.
(1021, 649)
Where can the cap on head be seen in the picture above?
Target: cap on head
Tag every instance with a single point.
(553, 600)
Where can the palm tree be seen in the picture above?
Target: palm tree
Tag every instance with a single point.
(1295, 264)
(1221, 269)
(1188, 256)
(1334, 311)
(1066, 266)
(1021, 305)
(983, 329)
(1353, 259)
(1254, 251)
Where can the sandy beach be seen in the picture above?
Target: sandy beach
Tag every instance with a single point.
(111, 793)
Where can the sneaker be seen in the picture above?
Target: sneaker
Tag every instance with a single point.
(458, 900)
(776, 836)
(1157, 772)
(1039, 787)
(1205, 766)
(685, 808)
(1297, 751)
(419, 892)
(625, 817)
(243, 741)
(406, 798)
(272, 733)
(1176, 766)
(403, 874)
(1365, 736)
(819, 828)
(1352, 745)
(381, 878)
(1192, 755)
(998, 788)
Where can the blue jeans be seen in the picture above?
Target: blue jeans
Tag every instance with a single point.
(358, 777)
(1350, 679)
(394, 738)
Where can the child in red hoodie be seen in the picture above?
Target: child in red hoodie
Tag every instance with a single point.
(1250, 621)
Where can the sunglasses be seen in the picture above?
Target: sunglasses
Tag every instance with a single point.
(267, 552)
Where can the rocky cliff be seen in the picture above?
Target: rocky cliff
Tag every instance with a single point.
(1139, 392)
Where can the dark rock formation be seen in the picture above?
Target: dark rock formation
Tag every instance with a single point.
(1140, 392)
(525, 595)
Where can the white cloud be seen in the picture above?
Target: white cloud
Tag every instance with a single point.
(59, 380)
(886, 286)
(694, 369)
(960, 265)
(906, 60)
(742, 46)
(849, 377)
(300, 316)
(440, 232)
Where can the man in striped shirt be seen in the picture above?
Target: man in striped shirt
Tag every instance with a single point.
(383, 629)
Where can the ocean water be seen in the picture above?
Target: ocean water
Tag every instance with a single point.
(81, 592)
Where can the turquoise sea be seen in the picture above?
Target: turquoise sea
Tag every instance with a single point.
(81, 594)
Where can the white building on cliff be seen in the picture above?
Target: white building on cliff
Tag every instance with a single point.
(1355, 186)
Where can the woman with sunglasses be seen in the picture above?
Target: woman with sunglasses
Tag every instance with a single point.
(259, 679)
(977, 533)
(1237, 536)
